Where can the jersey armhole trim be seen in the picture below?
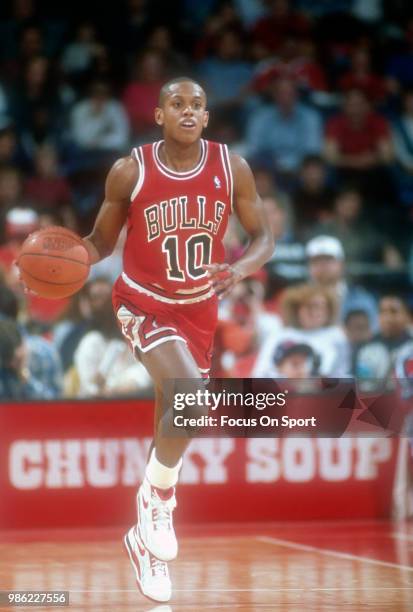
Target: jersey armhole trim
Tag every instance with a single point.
(230, 177)
(138, 157)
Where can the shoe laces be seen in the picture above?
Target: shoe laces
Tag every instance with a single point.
(159, 568)
(161, 511)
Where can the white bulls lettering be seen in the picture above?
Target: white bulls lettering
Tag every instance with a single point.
(170, 215)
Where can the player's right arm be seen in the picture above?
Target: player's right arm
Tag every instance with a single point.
(119, 185)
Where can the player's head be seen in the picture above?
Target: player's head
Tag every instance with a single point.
(181, 110)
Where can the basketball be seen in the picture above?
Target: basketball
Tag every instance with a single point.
(54, 262)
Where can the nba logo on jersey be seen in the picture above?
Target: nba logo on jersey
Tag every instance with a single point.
(217, 182)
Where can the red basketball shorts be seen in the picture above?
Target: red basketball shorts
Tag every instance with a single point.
(147, 322)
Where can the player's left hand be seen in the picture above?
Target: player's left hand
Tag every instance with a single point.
(222, 278)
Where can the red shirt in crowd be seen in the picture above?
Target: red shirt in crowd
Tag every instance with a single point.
(48, 192)
(139, 100)
(363, 138)
(372, 85)
(270, 31)
(304, 72)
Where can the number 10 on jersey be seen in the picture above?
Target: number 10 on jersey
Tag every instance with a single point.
(197, 253)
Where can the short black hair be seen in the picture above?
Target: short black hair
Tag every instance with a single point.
(356, 312)
(182, 79)
(313, 158)
(400, 298)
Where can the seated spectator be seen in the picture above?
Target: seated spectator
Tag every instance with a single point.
(160, 40)
(294, 360)
(295, 60)
(104, 363)
(225, 17)
(399, 66)
(99, 123)
(313, 198)
(75, 316)
(37, 90)
(270, 31)
(403, 146)
(22, 40)
(129, 24)
(363, 243)
(357, 327)
(326, 267)
(142, 93)
(264, 180)
(11, 153)
(95, 294)
(47, 189)
(358, 145)
(287, 263)
(40, 356)
(227, 65)
(361, 77)
(11, 189)
(250, 11)
(16, 382)
(243, 326)
(358, 331)
(275, 132)
(375, 359)
(404, 373)
(309, 315)
(19, 223)
(78, 55)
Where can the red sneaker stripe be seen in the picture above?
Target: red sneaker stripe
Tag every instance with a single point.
(133, 557)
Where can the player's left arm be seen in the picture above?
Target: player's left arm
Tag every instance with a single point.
(253, 218)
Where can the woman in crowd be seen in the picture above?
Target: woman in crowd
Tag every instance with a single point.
(308, 313)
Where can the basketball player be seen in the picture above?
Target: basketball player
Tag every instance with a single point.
(176, 196)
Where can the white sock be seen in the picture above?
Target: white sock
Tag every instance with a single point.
(160, 475)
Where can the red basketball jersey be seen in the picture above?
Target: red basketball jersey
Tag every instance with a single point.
(176, 223)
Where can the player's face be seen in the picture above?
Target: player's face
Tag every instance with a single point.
(183, 115)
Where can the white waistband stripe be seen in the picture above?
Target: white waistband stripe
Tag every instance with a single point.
(134, 285)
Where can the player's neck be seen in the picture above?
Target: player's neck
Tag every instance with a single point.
(180, 157)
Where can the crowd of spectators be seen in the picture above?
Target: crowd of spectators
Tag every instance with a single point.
(317, 95)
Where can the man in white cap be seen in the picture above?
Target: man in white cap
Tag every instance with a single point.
(326, 266)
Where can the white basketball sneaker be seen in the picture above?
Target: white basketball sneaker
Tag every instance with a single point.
(155, 507)
(152, 575)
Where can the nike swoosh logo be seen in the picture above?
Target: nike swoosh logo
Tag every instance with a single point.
(145, 503)
(141, 550)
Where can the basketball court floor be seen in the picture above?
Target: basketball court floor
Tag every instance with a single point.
(351, 566)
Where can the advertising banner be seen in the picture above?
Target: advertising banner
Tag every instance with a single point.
(75, 464)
